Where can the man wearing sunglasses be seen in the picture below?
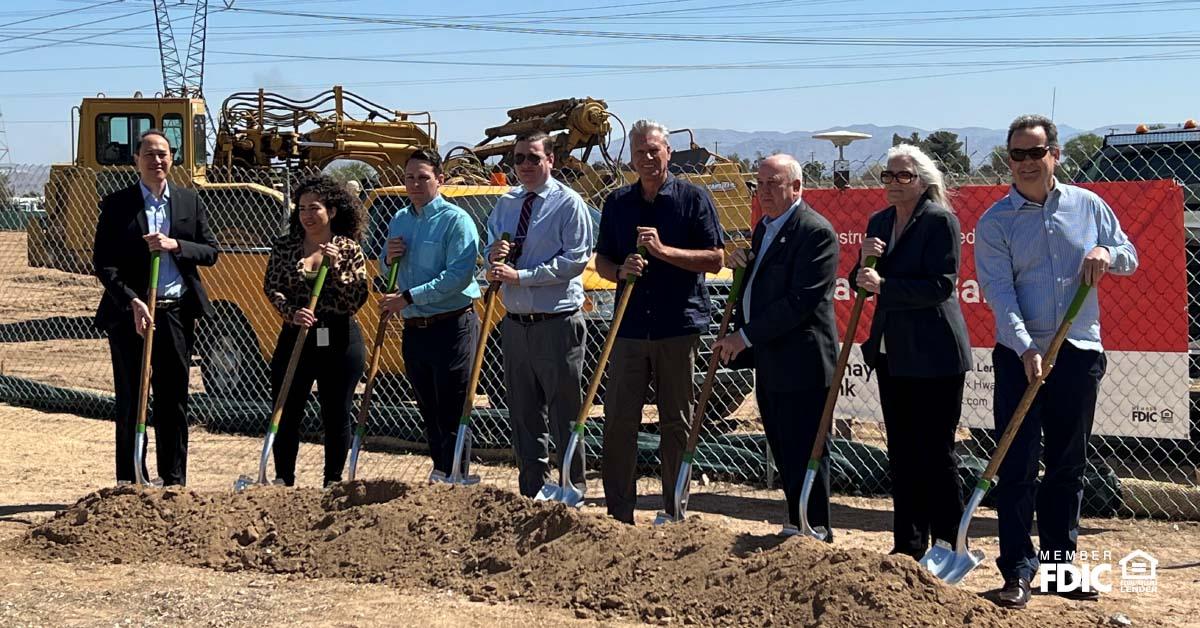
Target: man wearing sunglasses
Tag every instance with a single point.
(543, 333)
(1032, 249)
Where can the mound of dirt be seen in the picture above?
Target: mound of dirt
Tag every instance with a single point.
(495, 546)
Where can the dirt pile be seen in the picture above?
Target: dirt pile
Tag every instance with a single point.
(493, 545)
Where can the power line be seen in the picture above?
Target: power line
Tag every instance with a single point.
(76, 10)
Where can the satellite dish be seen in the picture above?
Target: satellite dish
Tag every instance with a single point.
(841, 138)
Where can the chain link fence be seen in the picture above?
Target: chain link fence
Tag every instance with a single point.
(51, 357)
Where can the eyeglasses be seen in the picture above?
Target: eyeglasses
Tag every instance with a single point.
(1019, 154)
(887, 176)
(520, 158)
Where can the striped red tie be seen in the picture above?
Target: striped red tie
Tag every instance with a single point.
(522, 227)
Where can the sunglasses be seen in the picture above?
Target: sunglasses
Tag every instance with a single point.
(520, 158)
(887, 176)
(1019, 154)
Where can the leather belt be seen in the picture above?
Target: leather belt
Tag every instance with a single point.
(538, 317)
(426, 321)
(167, 304)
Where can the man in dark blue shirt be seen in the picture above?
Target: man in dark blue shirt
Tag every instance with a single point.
(669, 308)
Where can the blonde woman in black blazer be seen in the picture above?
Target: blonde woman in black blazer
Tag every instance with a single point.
(918, 346)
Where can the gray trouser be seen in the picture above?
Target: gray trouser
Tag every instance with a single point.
(543, 372)
(670, 362)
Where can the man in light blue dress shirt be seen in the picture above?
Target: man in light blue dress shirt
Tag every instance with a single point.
(543, 333)
(436, 244)
(1032, 248)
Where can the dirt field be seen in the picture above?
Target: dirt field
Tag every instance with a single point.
(427, 557)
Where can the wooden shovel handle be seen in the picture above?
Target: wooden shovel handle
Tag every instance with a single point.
(485, 329)
(364, 404)
(297, 349)
(1014, 424)
(701, 407)
(148, 345)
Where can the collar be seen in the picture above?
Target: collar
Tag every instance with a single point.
(147, 194)
(669, 181)
(785, 216)
(1018, 201)
(541, 191)
(434, 206)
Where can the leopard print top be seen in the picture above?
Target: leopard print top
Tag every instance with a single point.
(345, 288)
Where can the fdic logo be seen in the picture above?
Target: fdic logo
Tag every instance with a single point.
(1151, 415)
(1139, 572)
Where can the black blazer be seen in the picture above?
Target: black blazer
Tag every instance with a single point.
(792, 328)
(122, 259)
(917, 308)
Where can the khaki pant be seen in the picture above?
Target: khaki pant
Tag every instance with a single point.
(634, 363)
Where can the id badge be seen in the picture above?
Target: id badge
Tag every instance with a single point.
(322, 336)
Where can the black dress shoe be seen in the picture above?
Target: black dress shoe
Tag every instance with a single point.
(1076, 594)
(1014, 594)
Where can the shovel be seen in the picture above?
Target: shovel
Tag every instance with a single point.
(948, 563)
(364, 406)
(461, 463)
(245, 481)
(565, 491)
(683, 482)
(139, 443)
(835, 387)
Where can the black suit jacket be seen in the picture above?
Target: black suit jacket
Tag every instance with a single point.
(792, 328)
(122, 259)
(917, 307)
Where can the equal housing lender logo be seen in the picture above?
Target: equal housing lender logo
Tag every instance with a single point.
(1138, 572)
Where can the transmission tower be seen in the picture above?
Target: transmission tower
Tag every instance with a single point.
(5, 158)
(184, 79)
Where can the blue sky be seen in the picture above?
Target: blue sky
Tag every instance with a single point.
(796, 65)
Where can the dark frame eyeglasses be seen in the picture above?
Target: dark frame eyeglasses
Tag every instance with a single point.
(902, 177)
(520, 158)
(1020, 154)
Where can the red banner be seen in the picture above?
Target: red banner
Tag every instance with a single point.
(1144, 312)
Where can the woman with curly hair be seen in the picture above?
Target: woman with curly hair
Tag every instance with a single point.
(326, 223)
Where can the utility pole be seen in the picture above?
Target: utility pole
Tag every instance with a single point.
(716, 148)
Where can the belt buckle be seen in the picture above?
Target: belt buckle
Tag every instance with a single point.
(418, 323)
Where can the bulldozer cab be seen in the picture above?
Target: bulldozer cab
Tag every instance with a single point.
(109, 129)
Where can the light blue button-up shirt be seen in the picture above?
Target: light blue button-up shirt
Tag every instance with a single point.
(772, 227)
(158, 219)
(557, 247)
(438, 269)
(1029, 257)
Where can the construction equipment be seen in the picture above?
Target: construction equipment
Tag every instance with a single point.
(245, 481)
(565, 491)
(683, 482)
(364, 404)
(461, 463)
(835, 386)
(952, 564)
(139, 443)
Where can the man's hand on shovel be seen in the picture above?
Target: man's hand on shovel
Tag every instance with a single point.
(141, 317)
(1032, 359)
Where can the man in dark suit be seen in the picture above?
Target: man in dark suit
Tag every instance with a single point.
(786, 329)
(152, 216)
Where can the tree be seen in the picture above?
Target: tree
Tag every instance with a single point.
(942, 146)
(351, 171)
(813, 171)
(996, 166)
(1078, 151)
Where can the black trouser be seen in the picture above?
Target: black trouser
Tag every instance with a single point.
(174, 334)
(336, 368)
(1062, 413)
(921, 414)
(437, 361)
(790, 420)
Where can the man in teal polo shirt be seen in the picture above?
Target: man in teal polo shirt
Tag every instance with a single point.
(436, 245)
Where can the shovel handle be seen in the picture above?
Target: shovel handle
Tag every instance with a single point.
(1014, 424)
(739, 274)
(839, 371)
(147, 346)
(609, 340)
(364, 404)
(485, 329)
(297, 349)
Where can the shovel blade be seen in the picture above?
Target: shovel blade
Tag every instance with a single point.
(549, 493)
(571, 496)
(948, 565)
(662, 518)
(243, 482)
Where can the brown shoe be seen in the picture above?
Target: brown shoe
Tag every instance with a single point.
(1014, 594)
